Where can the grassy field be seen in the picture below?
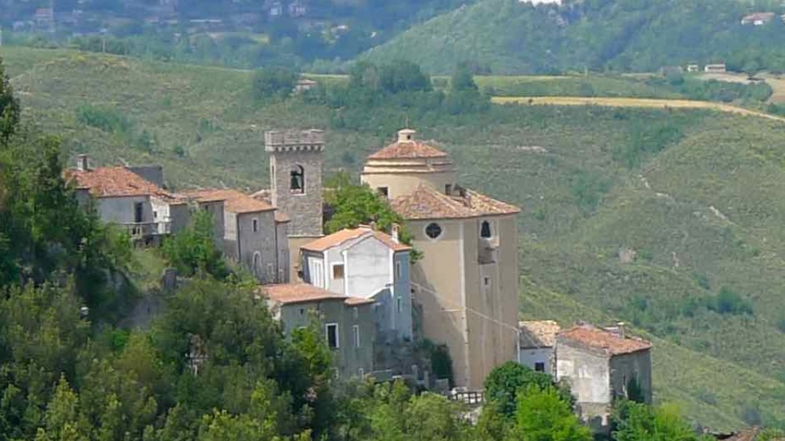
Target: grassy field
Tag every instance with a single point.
(695, 193)
(644, 103)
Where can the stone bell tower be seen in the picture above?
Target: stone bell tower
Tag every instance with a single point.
(296, 159)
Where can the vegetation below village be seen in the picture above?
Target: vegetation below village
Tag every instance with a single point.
(667, 219)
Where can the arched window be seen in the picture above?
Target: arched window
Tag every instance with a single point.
(257, 264)
(485, 230)
(297, 183)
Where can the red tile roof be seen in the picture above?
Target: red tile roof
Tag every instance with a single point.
(234, 201)
(538, 334)
(291, 293)
(428, 203)
(408, 150)
(344, 235)
(104, 182)
(609, 342)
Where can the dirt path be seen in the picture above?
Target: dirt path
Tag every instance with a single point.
(631, 102)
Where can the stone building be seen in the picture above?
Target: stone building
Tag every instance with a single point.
(467, 280)
(347, 322)
(363, 262)
(296, 160)
(537, 343)
(600, 366)
(255, 233)
(124, 198)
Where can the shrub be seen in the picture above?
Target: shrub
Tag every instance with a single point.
(273, 82)
(730, 302)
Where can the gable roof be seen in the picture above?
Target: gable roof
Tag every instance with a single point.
(105, 182)
(265, 195)
(608, 342)
(340, 237)
(234, 201)
(538, 334)
(428, 203)
(408, 150)
(292, 293)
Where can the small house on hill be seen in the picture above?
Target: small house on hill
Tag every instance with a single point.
(602, 365)
(758, 18)
(367, 263)
(347, 322)
(537, 342)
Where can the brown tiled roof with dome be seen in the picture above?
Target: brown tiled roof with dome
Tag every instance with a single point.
(428, 203)
(408, 148)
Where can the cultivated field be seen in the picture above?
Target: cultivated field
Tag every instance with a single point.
(646, 103)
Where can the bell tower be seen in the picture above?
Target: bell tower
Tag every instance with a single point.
(296, 160)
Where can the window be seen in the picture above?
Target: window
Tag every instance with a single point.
(384, 191)
(256, 225)
(400, 305)
(155, 214)
(539, 366)
(398, 271)
(485, 230)
(302, 311)
(355, 313)
(333, 341)
(433, 230)
(448, 189)
(338, 271)
(487, 281)
(356, 335)
(297, 183)
(138, 212)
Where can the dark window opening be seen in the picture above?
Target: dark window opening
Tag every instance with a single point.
(433, 230)
(138, 212)
(539, 367)
(338, 271)
(448, 189)
(332, 336)
(297, 184)
(255, 225)
(384, 191)
(485, 230)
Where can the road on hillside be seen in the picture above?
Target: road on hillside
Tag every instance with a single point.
(629, 102)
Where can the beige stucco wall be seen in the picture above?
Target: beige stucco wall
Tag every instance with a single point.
(402, 184)
(478, 322)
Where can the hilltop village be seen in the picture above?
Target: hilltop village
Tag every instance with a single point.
(454, 283)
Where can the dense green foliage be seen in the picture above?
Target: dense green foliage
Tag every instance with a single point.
(194, 250)
(639, 422)
(543, 415)
(274, 82)
(504, 384)
(507, 36)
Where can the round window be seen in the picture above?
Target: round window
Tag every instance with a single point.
(433, 230)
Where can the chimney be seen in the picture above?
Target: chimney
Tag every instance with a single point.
(617, 329)
(396, 233)
(406, 135)
(83, 162)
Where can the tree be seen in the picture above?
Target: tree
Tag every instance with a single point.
(462, 79)
(641, 422)
(273, 82)
(404, 76)
(543, 415)
(193, 250)
(354, 204)
(9, 107)
(505, 383)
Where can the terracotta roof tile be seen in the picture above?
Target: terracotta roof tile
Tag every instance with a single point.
(346, 234)
(299, 293)
(234, 201)
(607, 341)
(750, 434)
(291, 293)
(408, 150)
(538, 334)
(105, 182)
(428, 203)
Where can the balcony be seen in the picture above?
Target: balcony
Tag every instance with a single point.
(143, 230)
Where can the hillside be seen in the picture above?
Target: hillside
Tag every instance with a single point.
(507, 36)
(693, 194)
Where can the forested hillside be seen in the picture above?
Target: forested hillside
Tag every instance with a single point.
(667, 219)
(507, 36)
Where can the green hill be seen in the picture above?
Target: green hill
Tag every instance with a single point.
(507, 36)
(689, 198)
